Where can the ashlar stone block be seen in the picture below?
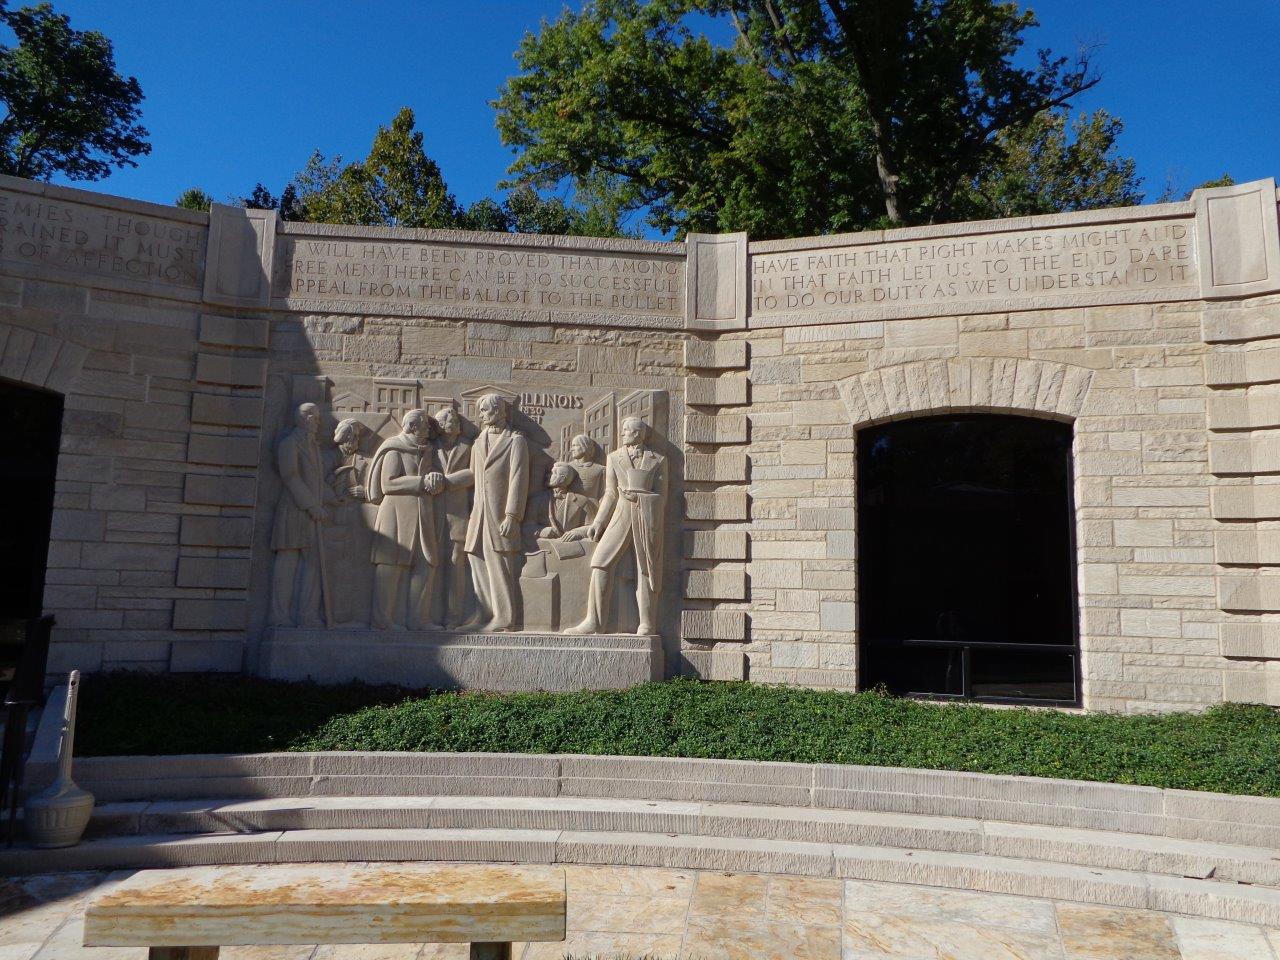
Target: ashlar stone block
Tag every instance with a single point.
(713, 625)
(193, 614)
(240, 332)
(1253, 640)
(715, 354)
(727, 503)
(1254, 591)
(1242, 367)
(226, 411)
(226, 451)
(723, 466)
(726, 391)
(230, 371)
(720, 583)
(723, 429)
(716, 544)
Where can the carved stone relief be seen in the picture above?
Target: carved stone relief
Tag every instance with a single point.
(476, 509)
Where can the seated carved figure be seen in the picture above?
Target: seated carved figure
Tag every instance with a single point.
(568, 513)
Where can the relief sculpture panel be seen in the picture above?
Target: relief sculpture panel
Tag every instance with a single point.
(412, 508)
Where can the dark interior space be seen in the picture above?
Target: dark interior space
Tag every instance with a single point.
(966, 558)
(31, 421)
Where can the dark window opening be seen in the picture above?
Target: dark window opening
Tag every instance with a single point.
(966, 559)
(31, 421)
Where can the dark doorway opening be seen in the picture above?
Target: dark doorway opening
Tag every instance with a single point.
(966, 559)
(31, 425)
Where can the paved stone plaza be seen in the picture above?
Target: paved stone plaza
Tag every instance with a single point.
(640, 912)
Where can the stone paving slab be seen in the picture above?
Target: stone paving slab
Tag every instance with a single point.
(679, 914)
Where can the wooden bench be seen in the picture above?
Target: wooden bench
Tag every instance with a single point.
(188, 914)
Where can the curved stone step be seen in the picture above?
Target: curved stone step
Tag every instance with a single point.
(1087, 848)
(937, 793)
(970, 871)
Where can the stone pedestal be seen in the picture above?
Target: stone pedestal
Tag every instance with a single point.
(511, 661)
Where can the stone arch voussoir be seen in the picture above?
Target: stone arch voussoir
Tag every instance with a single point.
(38, 359)
(1037, 388)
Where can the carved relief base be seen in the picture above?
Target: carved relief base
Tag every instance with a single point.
(504, 662)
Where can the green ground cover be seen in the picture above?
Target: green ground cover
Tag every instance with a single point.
(1231, 749)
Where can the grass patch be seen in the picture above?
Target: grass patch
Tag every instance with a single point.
(1230, 748)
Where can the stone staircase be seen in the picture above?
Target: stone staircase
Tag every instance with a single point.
(1179, 851)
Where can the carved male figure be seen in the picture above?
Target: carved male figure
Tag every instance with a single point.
(295, 538)
(569, 512)
(500, 472)
(582, 456)
(402, 480)
(349, 477)
(630, 518)
(454, 453)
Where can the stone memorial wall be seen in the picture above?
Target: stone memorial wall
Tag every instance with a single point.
(515, 462)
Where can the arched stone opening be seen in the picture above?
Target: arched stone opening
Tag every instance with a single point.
(966, 558)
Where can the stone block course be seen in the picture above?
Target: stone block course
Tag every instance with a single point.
(232, 371)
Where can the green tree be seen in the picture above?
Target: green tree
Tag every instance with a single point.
(1053, 164)
(194, 198)
(67, 109)
(397, 184)
(817, 116)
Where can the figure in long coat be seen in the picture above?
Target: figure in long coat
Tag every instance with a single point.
(630, 519)
(500, 472)
(454, 454)
(295, 536)
(403, 478)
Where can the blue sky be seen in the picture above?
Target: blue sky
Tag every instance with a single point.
(239, 91)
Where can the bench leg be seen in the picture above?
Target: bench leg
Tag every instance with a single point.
(491, 951)
(182, 953)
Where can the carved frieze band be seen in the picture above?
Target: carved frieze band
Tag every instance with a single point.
(1223, 243)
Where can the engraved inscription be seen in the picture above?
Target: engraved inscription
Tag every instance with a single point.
(101, 242)
(998, 266)
(462, 276)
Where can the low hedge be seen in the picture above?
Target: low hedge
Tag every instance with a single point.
(1230, 749)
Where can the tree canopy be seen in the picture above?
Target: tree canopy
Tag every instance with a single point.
(810, 116)
(67, 109)
(399, 185)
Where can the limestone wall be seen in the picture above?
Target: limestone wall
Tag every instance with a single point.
(183, 342)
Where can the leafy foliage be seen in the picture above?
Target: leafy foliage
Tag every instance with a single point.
(67, 110)
(1230, 749)
(193, 198)
(820, 116)
(398, 184)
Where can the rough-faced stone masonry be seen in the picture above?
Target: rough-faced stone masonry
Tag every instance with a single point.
(182, 343)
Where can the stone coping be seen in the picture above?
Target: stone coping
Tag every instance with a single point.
(1067, 803)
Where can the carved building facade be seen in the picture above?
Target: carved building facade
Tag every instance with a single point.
(1013, 460)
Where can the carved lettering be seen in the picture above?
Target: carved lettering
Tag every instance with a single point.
(423, 273)
(74, 236)
(1000, 267)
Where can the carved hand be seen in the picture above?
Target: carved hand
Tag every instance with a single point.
(629, 495)
(507, 527)
(546, 533)
(573, 536)
(593, 532)
(316, 513)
